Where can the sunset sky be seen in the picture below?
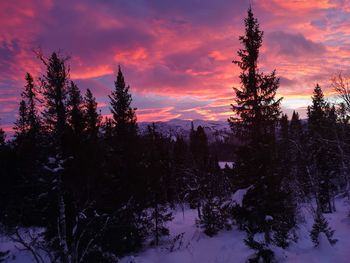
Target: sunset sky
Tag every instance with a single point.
(176, 55)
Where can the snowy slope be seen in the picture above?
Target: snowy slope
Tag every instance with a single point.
(215, 130)
(228, 246)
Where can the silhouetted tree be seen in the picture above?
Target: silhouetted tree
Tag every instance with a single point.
(256, 115)
(75, 113)
(157, 168)
(2, 137)
(124, 116)
(93, 118)
(321, 121)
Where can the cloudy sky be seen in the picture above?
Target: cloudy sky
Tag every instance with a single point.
(176, 55)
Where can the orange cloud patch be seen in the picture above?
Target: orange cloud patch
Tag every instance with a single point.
(161, 114)
(131, 56)
(95, 72)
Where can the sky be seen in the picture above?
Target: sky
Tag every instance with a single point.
(175, 55)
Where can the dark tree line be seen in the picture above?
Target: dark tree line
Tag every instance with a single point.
(99, 189)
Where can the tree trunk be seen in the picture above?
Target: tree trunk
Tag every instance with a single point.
(62, 223)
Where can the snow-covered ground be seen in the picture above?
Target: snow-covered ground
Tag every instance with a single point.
(222, 164)
(16, 255)
(228, 246)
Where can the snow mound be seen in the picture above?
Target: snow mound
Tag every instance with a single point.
(238, 196)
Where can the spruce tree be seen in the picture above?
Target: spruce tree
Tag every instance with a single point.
(200, 164)
(21, 127)
(55, 88)
(283, 149)
(321, 226)
(28, 126)
(212, 220)
(180, 170)
(298, 158)
(30, 96)
(75, 114)
(122, 166)
(92, 117)
(29, 152)
(123, 138)
(256, 114)
(156, 168)
(2, 137)
(322, 150)
(55, 85)
(124, 116)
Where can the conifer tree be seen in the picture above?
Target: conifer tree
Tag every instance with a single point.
(21, 127)
(123, 137)
(157, 166)
(212, 220)
(321, 226)
(27, 126)
(322, 151)
(283, 149)
(30, 96)
(299, 178)
(2, 137)
(180, 170)
(124, 116)
(93, 118)
(122, 165)
(256, 114)
(107, 127)
(75, 114)
(200, 164)
(55, 87)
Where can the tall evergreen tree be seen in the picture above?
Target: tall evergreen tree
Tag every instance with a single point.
(28, 126)
(28, 153)
(200, 164)
(93, 118)
(124, 137)
(30, 96)
(124, 115)
(322, 150)
(157, 169)
(299, 178)
(75, 114)
(256, 115)
(55, 87)
(122, 162)
(180, 170)
(2, 137)
(21, 127)
(28, 123)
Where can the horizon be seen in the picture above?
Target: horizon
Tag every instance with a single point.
(176, 57)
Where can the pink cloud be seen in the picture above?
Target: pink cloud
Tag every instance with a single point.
(171, 50)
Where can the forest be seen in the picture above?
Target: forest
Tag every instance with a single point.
(76, 186)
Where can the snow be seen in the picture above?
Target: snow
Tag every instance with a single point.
(228, 246)
(223, 164)
(215, 130)
(238, 196)
(268, 218)
(17, 253)
(197, 247)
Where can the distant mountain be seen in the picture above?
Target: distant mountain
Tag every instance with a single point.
(215, 130)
